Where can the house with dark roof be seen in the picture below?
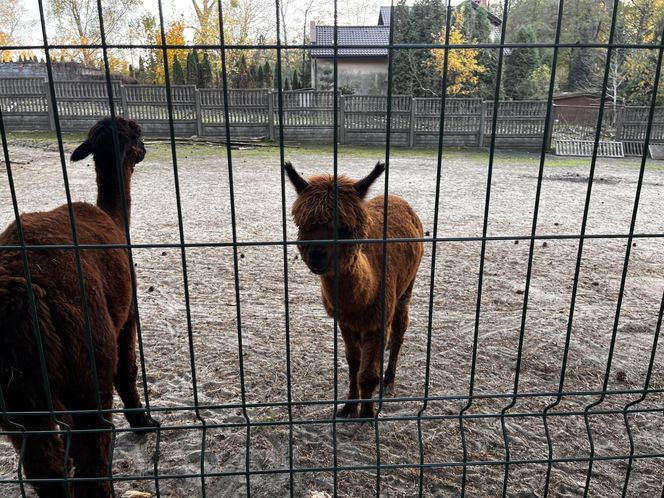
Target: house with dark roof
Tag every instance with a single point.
(362, 53)
(361, 68)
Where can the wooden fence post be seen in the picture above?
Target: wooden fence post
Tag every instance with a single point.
(342, 119)
(199, 114)
(620, 120)
(50, 106)
(552, 123)
(413, 116)
(270, 114)
(480, 132)
(124, 101)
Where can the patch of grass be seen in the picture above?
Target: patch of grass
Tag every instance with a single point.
(44, 137)
(158, 152)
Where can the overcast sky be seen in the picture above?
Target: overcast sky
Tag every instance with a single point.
(357, 12)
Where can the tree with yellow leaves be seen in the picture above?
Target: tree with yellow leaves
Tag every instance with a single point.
(463, 70)
(12, 24)
(174, 35)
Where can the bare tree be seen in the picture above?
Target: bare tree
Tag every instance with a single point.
(12, 25)
(78, 22)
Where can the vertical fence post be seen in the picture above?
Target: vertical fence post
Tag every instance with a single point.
(620, 119)
(50, 106)
(342, 119)
(270, 114)
(413, 116)
(199, 113)
(124, 101)
(552, 123)
(480, 132)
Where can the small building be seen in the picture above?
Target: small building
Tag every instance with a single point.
(362, 70)
(582, 99)
(580, 108)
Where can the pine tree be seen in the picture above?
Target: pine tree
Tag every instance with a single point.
(520, 64)
(267, 75)
(192, 68)
(178, 72)
(287, 86)
(296, 82)
(418, 24)
(241, 76)
(326, 79)
(205, 72)
(253, 76)
(260, 77)
(477, 29)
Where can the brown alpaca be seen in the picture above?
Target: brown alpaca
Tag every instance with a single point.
(62, 332)
(360, 271)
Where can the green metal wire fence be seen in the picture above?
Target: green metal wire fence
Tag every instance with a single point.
(556, 406)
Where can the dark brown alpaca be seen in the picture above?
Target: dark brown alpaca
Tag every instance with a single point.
(360, 271)
(55, 286)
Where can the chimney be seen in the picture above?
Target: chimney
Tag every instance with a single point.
(312, 32)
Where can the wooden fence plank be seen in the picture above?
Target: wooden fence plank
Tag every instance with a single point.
(308, 115)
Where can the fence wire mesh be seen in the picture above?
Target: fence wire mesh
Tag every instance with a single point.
(531, 365)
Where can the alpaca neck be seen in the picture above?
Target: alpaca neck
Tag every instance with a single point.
(358, 284)
(109, 196)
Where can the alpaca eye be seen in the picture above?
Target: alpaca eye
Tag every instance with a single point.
(344, 233)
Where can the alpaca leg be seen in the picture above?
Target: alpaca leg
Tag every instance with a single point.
(399, 325)
(125, 379)
(91, 450)
(369, 375)
(352, 348)
(44, 456)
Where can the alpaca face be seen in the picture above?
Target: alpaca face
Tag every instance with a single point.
(101, 145)
(319, 256)
(314, 215)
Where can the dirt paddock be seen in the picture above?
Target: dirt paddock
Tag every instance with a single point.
(211, 344)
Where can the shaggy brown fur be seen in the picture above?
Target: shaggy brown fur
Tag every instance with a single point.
(62, 331)
(360, 271)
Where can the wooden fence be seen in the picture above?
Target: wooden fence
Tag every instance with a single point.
(308, 116)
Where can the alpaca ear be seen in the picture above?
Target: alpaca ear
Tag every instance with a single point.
(82, 151)
(362, 186)
(296, 179)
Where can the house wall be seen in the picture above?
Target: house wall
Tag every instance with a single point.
(366, 75)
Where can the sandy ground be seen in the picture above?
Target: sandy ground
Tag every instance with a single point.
(211, 343)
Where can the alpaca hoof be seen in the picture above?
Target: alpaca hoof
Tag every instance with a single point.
(143, 424)
(367, 412)
(349, 410)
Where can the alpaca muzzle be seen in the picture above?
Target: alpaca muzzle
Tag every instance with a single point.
(317, 259)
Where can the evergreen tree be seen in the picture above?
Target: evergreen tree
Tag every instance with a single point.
(178, 72)
(192, 68)
(418, 24)
(260, 77)
(326, 79)
(476, 25)
(519, 66)
(478, 29)
(589, 22)
(287, 86)
(253, 76)
(267, 74)
(205, 72)
(241, 77)
(296, 82)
